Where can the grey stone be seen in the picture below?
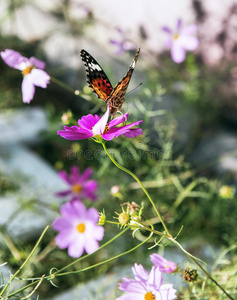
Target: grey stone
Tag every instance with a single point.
(38, 184)
(217, 151)
(22, 125)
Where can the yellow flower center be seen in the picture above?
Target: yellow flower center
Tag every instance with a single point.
(176, 36)
(27, 70)
(149, 296)
(225, 191)
(106, 129)
(76, 188)
(123, 218)
(81, 227)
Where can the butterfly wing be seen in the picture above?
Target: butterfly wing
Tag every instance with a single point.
(96, 77)
(116, 98)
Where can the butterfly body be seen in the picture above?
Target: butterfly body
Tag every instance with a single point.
(101, 86)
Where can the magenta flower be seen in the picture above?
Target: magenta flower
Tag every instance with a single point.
(78, 229)
(146, 286)
(31, 69)
(80, 186)
(165, 266)
(95, 127)
(181, 40)
(123, 44)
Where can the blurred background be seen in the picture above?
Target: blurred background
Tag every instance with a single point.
(187, 156)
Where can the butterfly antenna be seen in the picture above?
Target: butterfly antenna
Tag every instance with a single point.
(134, 89)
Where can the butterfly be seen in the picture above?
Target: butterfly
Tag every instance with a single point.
(100, 84)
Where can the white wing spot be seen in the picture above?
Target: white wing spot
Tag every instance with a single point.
(95, 67)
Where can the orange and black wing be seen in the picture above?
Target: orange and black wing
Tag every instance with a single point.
(96, 77)
(116, 98)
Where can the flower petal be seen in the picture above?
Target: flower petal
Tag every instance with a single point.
(189, 42)
(88, 122)
(155, 277)
(64, 176)
(178, 53)
(86, 174)
(72, 133)
(61, 224)
(179, 25)
(131, 133)
(28, 89)
(76, 248)
(75, 174)
(189, 30)
(63, 193)
(39, 78)
(99, 127)
(167, 30)
(118, 120)
(37, 63)
(12, 58)
(140, 273)
(117, 131)
(63, 239)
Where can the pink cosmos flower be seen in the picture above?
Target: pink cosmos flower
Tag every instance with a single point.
(95, 127)
(146, 286)
(165, 266)
(78, 229)
(32, 71)
(181, 40)
(80, 186)
(123, 44)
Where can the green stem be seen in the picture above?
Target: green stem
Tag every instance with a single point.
(26, 261)
(62, 84)
(168, 235)
(141, 185)
(200, 266)
(108, 260)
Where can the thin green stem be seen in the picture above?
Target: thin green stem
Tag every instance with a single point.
(85, 256)
(110, 259)
(26, 261)
(141, 185)
(62, 84)
(200, 266)
(168, 235)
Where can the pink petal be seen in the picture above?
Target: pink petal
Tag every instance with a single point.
(70, 133)
(64, 176)
(37, 63)
(167, 30)
(131, 133)
(178, 53)
(61, 224)
(179, 25)
(39, 78)
(140, 273)
(12, 58)
(88, 122)
(99, 232)
(155, 277)
(189, 42)
(28, 89)
(76, 248)
(63, 193)
(63, 239)
(91, 245)
(99, 127)
(75, 174)
(118, 120)
(86, 174)
(79, 209)
(93, 215)
(189, 30)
